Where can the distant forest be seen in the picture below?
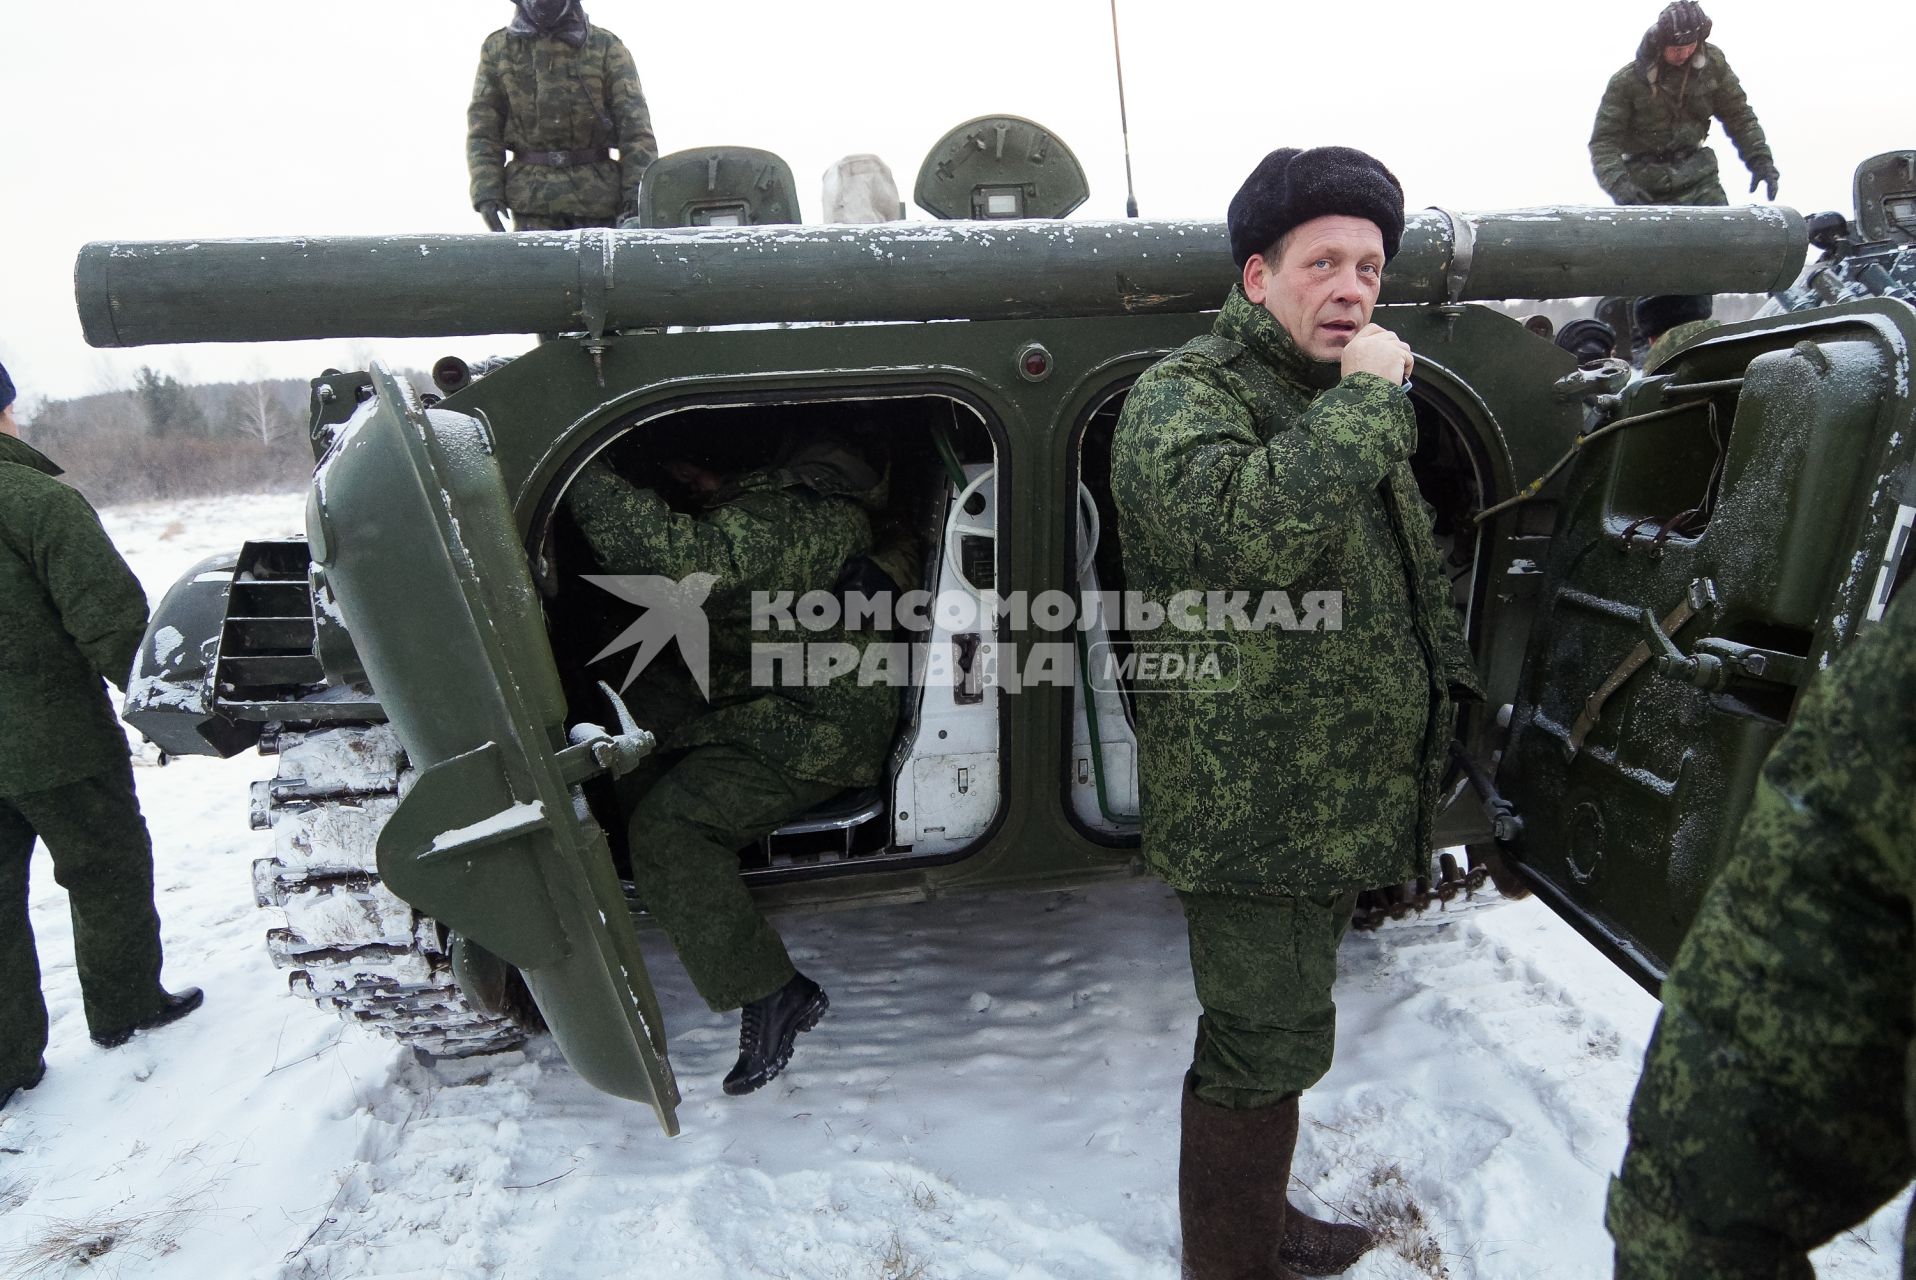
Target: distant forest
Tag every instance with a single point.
(162, 438)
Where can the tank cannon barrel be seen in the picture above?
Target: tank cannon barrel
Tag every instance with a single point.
(137, 293)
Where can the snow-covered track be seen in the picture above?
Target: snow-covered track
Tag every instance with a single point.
(350, 943)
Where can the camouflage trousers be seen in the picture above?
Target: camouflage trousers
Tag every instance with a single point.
(102, 857)
(684, 835)
(1264, 968)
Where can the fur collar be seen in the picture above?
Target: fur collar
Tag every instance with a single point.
(1650, 63)
(571, 28)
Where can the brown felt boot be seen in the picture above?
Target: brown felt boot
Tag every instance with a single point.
(1233, 1167)
(1313, 1247)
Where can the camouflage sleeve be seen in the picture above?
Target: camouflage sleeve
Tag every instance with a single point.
(1610, 134)
(638, 148)
(634, 530)
(1460, 668)
(100, 602)
(1237, 511)
(486, 134)
(1739, 120)
(1770, 1113)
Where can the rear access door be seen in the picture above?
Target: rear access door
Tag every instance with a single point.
(1752, 496)
(414, 544)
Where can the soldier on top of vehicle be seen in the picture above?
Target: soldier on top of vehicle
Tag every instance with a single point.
(1650, 141)
(559, 94)
(74, 615)
(737, 760)
(1272, 454)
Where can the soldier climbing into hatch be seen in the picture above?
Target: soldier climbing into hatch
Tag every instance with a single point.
(558, 93)
(1649, 144)
(739, 759)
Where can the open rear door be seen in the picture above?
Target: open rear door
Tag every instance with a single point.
(1755, 498)
(413, 536)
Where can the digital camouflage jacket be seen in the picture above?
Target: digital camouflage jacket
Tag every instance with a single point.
(787, 528)
(71, 614)
(1654, 121)
(544, 95)
(1241, 466)
(1779, 1091)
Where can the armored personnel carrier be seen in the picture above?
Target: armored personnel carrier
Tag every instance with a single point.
(1650, 567)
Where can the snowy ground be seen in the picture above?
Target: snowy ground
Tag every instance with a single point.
(993, 1094)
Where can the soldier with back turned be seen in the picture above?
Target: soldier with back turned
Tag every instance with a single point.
(72, 616)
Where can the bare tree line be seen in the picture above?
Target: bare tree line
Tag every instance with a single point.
(163, 438)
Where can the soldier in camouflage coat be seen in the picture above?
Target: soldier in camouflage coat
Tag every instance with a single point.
(1778, 1096)
(1648, 143)
(73, 615)
(733, 769)
(558, 93)
(1271, 455)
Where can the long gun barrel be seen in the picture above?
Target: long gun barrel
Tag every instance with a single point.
(136, 293)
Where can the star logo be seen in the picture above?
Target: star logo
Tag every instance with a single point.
(673, 611)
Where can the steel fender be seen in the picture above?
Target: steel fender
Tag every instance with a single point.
(170, 695)
(412, 525)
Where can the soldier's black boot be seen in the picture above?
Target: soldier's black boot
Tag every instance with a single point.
(173, 1007)
(39, 1074)
(1313, 1247)
(767, 1028)
(1233, 1167)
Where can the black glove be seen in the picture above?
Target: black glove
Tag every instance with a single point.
(1767, 175)
(1628, 192)
(491, 210)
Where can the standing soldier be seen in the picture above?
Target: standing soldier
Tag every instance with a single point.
(1272, 456)
(1778, 1092)
(1648, 146)
(558, 93)
(734, 765)
(71, 614)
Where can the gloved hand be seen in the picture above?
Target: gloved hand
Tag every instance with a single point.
(491, 210)
(1628, 192)
(1766, 175)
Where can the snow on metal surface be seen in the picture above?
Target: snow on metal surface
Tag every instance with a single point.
(508, 819)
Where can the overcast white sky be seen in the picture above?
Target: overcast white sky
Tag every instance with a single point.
(132, 120)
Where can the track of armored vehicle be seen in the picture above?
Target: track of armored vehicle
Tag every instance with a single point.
(350, 944)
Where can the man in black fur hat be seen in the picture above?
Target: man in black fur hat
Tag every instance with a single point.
(1272, 455)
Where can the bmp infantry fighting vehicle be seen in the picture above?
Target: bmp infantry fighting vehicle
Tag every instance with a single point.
(1651, 565)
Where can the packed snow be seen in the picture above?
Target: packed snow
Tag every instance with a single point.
(993, 1094)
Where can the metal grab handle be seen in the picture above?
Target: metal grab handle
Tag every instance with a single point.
(1705, 671)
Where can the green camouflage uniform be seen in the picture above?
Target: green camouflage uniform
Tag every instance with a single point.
(1240, 465)
(1778, 1094)
(1652, 126)
(71, 613)
(541, 94)
(733, 770)
(1666, 344)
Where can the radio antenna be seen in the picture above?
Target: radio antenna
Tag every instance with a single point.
(1124, 124)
